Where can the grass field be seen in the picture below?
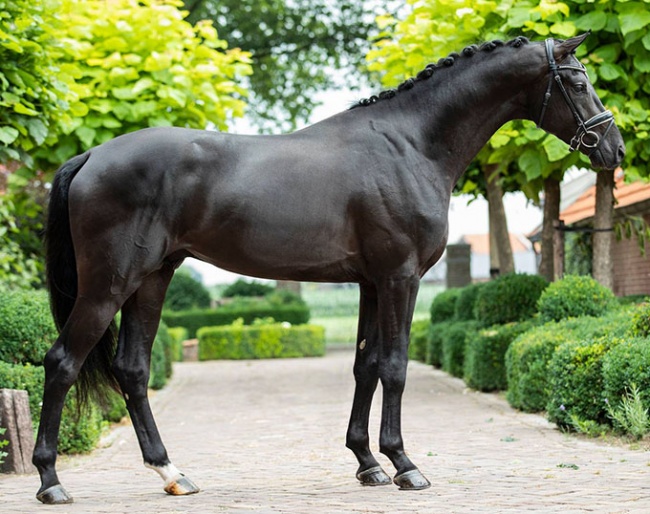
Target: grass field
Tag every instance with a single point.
(337, 309)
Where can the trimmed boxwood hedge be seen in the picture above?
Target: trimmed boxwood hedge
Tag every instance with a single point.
(262, 341)
(443, 306)
(627, 365)
(574, 296)
(509, 298)
(195, 319)
(454, 338)
(419, 340)
(576, 382)
(485, 368)
(26, 333)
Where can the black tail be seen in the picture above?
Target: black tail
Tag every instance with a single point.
(61, 267)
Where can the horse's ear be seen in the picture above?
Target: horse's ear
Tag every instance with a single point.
(569, 46)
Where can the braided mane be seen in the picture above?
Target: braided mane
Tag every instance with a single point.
(445, 62)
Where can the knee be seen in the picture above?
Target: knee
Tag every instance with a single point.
(60, 367)
(392, 374)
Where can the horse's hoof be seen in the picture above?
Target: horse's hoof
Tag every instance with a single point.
(411, 481)
(55, 495)
(373, 476)
(181, 487)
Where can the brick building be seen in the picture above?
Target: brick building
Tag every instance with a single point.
(631, 268)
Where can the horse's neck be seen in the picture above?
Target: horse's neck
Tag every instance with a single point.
(455, 119)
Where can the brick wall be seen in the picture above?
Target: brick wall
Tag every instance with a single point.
(631, 269)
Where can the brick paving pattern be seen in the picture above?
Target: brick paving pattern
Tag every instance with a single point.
(268, 437)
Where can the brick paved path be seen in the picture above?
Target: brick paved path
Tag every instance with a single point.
(268, 437)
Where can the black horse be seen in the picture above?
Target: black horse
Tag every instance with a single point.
(360, 197)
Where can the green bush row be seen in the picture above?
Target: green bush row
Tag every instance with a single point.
(261, 341)
(585, 367)
(193, 320)
(26, 333)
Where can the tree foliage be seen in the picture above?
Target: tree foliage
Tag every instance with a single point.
(185, 292)
(31, 93)
(296, 46)
(131, 65)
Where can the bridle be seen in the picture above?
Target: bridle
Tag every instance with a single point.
(584, 135)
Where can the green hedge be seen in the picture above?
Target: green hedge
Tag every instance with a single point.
(509, 298)
(485, 367)
(263, 341)
(178, 335)
(454, 338)
(419, 340)
(625, 366)
(434, 344)
(576, 382)
(574, 296)
(193, 320)
(528, 357)
(161, 358)
(465, 309)
(26, 327)
(443, 306)
(75, 435)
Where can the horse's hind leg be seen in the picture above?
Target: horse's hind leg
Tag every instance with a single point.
(366, 377)
(87, 323)
(140, 319)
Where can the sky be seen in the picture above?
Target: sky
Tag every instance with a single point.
(464, 218)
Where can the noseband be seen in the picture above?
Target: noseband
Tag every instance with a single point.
(584, 135)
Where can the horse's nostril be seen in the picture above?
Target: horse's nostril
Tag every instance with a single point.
(620, 153)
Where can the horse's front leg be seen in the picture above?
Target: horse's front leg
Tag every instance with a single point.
(366, 377)
(396, 305)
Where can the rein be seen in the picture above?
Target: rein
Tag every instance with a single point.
(592, 140)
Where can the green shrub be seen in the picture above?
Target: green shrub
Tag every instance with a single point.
(434, 344)
(625, 366)
(115, 408)
(262, 341)
(529, 354)
(3, 442)
(185, 292)
(454, 338)
(465, 309)
(178, 336)
(509, 298)
(161, 358)
(419, 340)
(26, 327)
(75, 435)
(247, 288)
(193, 320)
(641, 321)
(574, 296)
(485, 367)
(576, 382)
(443, 305)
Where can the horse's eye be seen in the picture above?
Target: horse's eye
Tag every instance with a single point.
(579, 87)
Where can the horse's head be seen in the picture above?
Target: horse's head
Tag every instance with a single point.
(567, 106)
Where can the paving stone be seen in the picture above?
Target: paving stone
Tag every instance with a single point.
(268, 437)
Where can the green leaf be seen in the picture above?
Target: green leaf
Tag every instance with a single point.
(609, 71)
(22, 109)
(642, 62)
(564, 29)
(530, 163)
(635, 20)
(8, 135)
(646, 41)
(595, 20)
(86, 135)
(37, 130)
(556, 149)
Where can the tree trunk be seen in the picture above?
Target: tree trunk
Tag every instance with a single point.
(603, 266)
(551, 215)
(499, 236)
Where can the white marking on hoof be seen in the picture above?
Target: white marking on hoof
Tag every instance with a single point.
(169, 473)
(176, 483)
